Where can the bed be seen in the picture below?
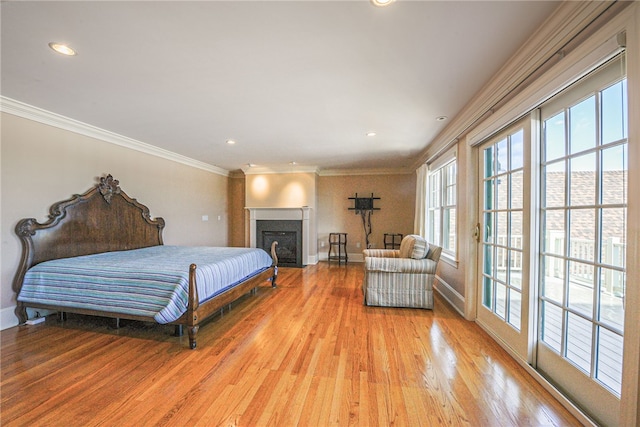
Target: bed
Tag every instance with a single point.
(100, 253)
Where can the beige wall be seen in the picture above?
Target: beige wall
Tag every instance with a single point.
(328, 197)
(281, 190)
(42, 165)
(397, 205)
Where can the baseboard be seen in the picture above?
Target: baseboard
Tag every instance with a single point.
(312, 260)
(355, 257)
(449, 294)
(8, 318)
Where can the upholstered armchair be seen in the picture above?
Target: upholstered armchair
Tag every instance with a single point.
(401, 277)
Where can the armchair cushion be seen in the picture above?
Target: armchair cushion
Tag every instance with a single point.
(413, 246)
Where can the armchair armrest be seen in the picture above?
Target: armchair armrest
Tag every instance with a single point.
(434, 252)
(381, 253)
(400, 265)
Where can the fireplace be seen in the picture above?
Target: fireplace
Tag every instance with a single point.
(278, 221)
(288, 234)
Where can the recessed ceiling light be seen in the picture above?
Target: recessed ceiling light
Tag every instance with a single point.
(371, 134)
(62, 49)
(293, 163)
(441, 118)
(230, 141)
(381, 3)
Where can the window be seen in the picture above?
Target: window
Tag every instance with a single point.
(441, 205)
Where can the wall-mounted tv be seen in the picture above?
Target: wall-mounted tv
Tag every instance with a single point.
(363, 203)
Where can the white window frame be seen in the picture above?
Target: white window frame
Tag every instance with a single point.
(438, 169)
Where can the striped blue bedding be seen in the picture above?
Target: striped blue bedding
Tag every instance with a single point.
(151, 282)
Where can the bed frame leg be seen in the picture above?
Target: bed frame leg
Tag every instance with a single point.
(275, 276)
(21, 312)
(177, 331)
(193, 330)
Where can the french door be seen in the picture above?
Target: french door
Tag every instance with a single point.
(583, 216)
(552, 240)
(505, 203)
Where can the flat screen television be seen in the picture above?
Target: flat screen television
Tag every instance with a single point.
(364, 203)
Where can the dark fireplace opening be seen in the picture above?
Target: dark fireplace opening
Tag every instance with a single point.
(286, 249)
(288, 234)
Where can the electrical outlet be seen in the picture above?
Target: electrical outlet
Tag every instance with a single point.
(357, 244)
(205, 217)
(322, 244)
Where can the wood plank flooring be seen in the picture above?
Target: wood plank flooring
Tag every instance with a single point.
(307, 353)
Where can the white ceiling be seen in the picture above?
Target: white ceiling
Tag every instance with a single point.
(299, 81)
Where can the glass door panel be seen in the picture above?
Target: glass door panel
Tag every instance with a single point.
(583, 203)
(504, 177)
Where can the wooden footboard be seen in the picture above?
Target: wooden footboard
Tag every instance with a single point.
(199, 312)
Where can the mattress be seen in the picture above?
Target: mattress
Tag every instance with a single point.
(149, 282)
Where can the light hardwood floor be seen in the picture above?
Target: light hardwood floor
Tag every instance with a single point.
(307, 353)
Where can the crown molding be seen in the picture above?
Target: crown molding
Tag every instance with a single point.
(29, 112)
(320, 172)
(355, 172)
(20, 109)
(265, 170)
(562, 26)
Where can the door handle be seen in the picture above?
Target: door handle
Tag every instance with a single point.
(476, 232)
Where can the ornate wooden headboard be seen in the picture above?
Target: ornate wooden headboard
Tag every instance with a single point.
(103, 219)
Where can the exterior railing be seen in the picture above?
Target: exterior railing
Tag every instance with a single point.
(612, 254)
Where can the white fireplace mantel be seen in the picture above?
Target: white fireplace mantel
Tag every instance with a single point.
(299, 213)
